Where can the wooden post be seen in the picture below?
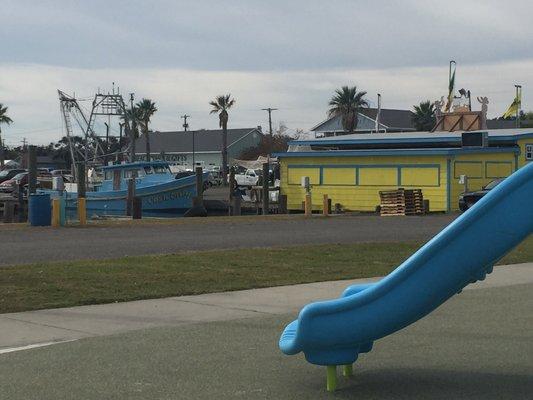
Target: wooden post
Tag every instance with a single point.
(308, 205)
(32, 169)
(130, 196)
(237, 205)
(232, 187)
(82, 211)
(56, 213)
(325, 205)
(9, 211)
(266, 194)
(81, 180)
(283, 204)
(198, 200)
(21, 210)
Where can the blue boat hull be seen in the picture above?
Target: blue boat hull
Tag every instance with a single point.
(169, 197)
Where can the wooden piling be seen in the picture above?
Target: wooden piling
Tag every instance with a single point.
(198, 200)
(21, 209)
(82, 211)
(136, 208)
(232, 187)
(325, 205)
(308, 205)
(237, 205)
(81, 180)
(9, 212)
(282, 204)
(56, 213)
(266, 194)
(130, 196)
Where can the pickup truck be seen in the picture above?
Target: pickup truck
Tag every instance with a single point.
(248, 178)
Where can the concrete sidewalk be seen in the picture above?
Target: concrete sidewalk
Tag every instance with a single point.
(18, 330)
(476, 346)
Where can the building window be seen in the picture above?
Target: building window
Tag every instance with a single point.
(529, 152)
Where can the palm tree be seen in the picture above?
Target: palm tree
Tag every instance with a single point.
(221, 105)
(4, 119)
(132, 120)
(346, 103)
(424, 116)
(147, 109)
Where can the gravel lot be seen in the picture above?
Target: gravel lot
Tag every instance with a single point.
(29, 245)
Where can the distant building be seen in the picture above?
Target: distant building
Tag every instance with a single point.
(177, 146)
(501, 124)
(389, 121)
(50, 162)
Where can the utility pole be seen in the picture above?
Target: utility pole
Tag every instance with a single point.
(23, 158)
(378, 113)
(269, 130)
(269, 118)
(185, 127)
(518, 106)
(185, 124)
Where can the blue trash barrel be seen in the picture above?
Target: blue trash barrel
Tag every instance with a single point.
(39, 210)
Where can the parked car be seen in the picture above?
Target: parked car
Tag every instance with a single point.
(10, 185)
(249, 178)
(60, 172)
(468, 199)
(9, 173)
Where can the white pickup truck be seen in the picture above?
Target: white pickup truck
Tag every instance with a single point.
(249, 178)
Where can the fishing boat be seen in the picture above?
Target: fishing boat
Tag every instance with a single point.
(157, 187)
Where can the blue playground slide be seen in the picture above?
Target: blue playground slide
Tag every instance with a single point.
(335, 332)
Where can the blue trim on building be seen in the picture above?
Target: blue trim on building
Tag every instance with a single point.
(400, 152)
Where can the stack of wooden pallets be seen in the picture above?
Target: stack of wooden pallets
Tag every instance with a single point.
(401, 202)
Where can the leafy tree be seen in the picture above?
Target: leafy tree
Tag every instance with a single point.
(424, 116)
(146, 109)
(346, 103)
(267, 145)
(221, 104)
(4, 119)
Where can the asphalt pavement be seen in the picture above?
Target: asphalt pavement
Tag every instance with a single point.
(29, 245)
(478, 345)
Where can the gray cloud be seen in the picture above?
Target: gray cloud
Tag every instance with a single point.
(258, 35)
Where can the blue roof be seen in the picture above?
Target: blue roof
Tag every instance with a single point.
(137, 164)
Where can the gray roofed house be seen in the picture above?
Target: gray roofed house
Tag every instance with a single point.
(177, 146)
(390, 121)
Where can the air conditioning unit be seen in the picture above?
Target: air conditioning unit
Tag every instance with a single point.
(475, 139)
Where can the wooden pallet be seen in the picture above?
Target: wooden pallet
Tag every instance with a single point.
(401, 202)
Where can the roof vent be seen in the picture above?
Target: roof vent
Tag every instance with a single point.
(475, 139)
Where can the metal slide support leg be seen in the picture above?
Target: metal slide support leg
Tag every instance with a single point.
(331, 384)
(347, 370)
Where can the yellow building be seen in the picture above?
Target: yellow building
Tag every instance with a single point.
(352, 169)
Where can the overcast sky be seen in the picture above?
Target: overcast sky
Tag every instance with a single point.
(285, 54)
